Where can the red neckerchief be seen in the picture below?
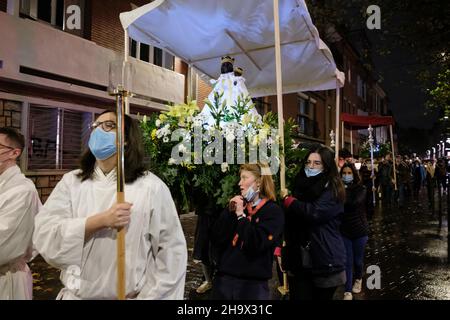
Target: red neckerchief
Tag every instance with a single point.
(250, 212)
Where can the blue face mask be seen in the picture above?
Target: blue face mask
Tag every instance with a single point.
(251, 193)
(312, 172)
(102, 144)
(347, 178)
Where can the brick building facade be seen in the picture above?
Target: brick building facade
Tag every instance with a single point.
(63, 74)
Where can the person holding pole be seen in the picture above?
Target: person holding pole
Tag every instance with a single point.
(76, 229)
(314, 255)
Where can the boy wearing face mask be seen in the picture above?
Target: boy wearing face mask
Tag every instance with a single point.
(354, 229)
(245, 236)
(19, 203)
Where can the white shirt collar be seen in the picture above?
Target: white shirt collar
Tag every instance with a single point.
(111, 177)
(9, 173)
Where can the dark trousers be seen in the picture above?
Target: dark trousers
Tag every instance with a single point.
(386, 193)
(430, 192)
(301, 287)
(227, 287)
(355, 255)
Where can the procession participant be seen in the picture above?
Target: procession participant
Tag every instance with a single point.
(246, 235)
(19, 203)
(314, 255)
(354, 229)
(76, 229)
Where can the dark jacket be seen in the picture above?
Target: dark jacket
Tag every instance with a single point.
(251, 256)
(317, 222)
(354, 221)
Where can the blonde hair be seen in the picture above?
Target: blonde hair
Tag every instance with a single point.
(262, 173)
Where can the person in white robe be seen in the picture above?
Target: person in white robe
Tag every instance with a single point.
(77, 227)
(19, 203)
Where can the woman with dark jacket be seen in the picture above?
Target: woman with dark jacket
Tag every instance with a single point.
(245, 236)
(354, 228)
(314, 256)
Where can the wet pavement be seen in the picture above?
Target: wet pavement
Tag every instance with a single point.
(406, 244)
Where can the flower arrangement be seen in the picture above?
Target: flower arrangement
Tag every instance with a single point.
(192, 157)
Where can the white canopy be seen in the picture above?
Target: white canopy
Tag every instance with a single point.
(202, 31)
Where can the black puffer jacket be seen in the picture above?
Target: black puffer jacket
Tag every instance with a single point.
(354, 221)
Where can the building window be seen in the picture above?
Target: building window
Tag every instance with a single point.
(349, 73)
(49, 11)
(151, 54)
(56, 137)
(305, 117)
(361, 89)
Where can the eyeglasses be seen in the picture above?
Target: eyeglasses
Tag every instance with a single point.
(8, 147)
(313, 163)
(107, 125)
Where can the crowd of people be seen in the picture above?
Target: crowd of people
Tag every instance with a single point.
(316, 234)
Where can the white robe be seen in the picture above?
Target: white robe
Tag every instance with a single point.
(232, 87)
(19, 203)
(156, 252)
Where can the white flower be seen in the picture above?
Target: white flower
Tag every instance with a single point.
(224, 166)
(255, 141)
(171, 161)
(230, 137)
(166, 139)
(158, 123)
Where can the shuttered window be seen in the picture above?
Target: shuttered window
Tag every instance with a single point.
(57, 137)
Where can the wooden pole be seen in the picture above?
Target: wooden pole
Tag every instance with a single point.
(279, 79)
(121, 280)
(343, 135)
(122, 108)
(338, 112)
(393, 157)
(371, 162)
(351, 140)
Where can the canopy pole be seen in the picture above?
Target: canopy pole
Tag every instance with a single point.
(279, 94)
(338, 111)
(351, 140)
(343, 135)
(393, 156)
(370, 129)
